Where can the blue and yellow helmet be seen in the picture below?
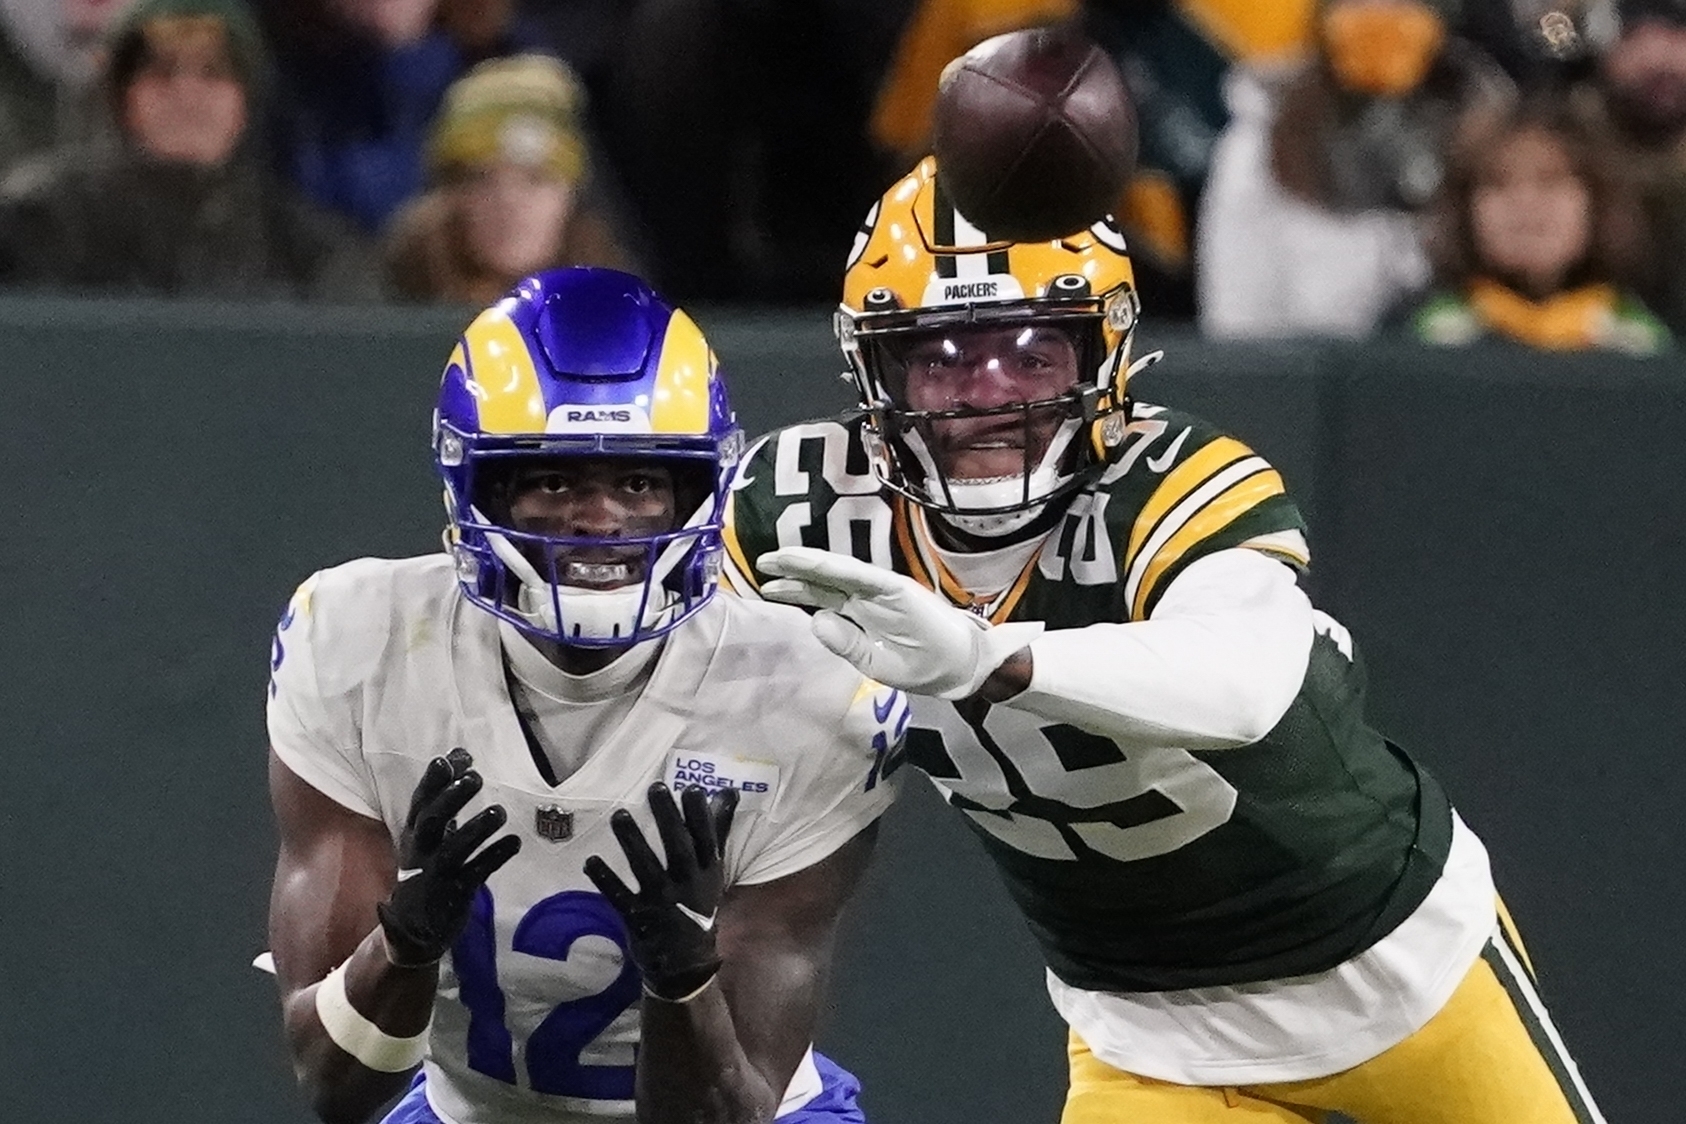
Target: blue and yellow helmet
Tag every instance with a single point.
(583, 362)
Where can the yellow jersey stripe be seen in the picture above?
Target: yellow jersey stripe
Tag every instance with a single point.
(1233, 503)
(1178, 485)
(734, 549)
(1210, 489)
(926, 567)
(1010, 600)
(1288, 545)
(910, 550)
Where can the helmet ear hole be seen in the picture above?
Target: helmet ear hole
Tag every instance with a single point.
(881, 300)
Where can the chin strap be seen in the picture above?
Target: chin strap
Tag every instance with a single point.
(594, 614)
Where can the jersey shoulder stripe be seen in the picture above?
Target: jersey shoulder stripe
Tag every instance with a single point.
(1183, 489)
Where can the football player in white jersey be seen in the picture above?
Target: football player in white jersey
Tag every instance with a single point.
(476, 756)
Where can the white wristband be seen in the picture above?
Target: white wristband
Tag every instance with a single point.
(359, 1036)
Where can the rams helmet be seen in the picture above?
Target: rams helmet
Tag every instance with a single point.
(919, 268)
(583, 362)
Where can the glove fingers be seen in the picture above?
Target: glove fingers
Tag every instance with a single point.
(439, 774)
(722, 807)
(483, 865)
(671, 824)
(430, 829)
(699, 826)
(461, 842)
(791, 591)
(645, 866)
(838, 571)
(609, 884)
(842, 636)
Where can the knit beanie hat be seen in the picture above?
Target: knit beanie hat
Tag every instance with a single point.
(524, 109)
(133, 33)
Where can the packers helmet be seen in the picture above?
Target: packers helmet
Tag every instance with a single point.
(919, 271)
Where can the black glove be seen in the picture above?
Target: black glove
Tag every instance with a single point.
(436, 877)
(670, 920)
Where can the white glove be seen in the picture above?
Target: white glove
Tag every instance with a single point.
(889, 626)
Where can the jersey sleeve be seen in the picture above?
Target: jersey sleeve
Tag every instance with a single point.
(841, 777)
(313, 714)
(1217, 665)
(1205, 492)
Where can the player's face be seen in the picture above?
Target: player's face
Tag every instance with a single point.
(991, 369)
(185, 103)
(603, 498)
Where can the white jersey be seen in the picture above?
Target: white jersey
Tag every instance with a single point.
(379, 666)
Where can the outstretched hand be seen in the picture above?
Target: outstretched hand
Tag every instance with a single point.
(889, 626)
(438, 870)
(670, 917)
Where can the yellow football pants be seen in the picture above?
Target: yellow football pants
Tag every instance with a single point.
(1490, 1056)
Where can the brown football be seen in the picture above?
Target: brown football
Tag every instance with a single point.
(1034, 133)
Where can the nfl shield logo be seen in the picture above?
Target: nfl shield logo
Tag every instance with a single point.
(554, 824)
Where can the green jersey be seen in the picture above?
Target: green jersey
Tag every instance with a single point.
(1139, 868)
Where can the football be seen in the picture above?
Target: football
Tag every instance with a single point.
(1034, 133)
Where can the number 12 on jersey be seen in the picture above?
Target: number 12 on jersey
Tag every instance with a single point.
(553, 1051)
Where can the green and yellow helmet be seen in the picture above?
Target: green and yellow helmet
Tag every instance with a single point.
(918, 265)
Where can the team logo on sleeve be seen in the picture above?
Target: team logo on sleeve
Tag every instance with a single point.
(754, 780)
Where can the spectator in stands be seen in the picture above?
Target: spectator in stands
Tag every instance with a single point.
(181, 205)
(49, 59)
(1310, 220)
(1542, 44)
(1174, 57)
(737, 130)
(1538, 238)
(360, 82)
(1642, 79)
(935, 32)
(511, 189)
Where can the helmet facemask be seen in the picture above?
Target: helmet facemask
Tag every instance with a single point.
(938, 453)
(589, 591)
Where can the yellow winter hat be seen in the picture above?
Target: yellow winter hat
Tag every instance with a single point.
(524, 109)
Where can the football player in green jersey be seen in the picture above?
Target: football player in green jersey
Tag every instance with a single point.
(1253, 907)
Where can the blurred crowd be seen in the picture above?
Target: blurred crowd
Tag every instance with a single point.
(1451, 170)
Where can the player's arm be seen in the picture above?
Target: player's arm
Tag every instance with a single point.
(357, 948)
(1215, 665)
(733, 981)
